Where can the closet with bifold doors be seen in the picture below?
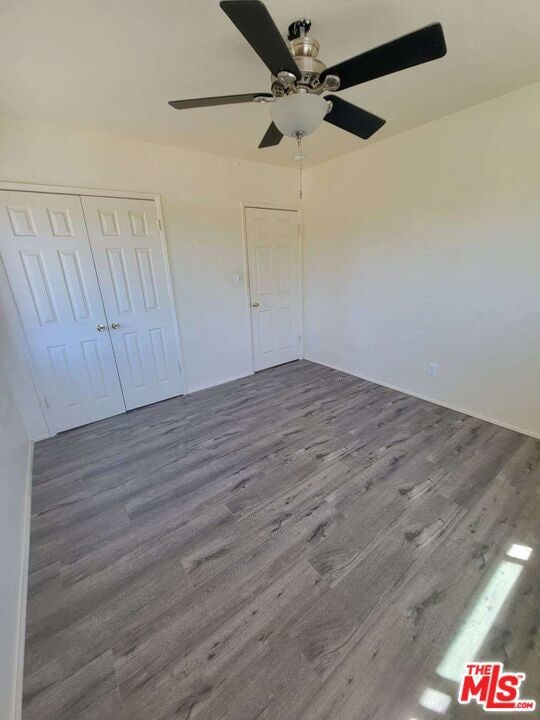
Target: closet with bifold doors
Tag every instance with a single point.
(90, 280)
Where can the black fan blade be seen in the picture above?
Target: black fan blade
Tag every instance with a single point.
(416, 48)
(255, 23)
(271, 137)
(353, 119)
(219, 100)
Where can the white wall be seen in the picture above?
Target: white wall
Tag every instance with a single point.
(201, 196)
(17, 364)
(15, 451)
(426, 248)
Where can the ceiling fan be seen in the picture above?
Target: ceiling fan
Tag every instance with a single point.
(300, 80)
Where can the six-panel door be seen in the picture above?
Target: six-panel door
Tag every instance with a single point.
(129, 260)
(47, 257)
(272, 244)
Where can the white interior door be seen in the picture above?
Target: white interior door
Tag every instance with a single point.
(274, 284)
(47, 257)
(127, 250)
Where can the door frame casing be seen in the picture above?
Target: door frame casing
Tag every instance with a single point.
(18, 328)
(244, 205)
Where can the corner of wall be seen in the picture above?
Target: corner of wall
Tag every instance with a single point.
(23, 588)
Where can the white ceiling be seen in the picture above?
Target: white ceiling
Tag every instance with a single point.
(112, 65)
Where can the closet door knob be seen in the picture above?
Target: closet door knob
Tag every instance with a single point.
(115, 325)
(100, 327)
(255, 304)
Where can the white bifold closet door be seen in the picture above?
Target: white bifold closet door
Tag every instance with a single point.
(128, 255)
(89, 280)
(47, 258)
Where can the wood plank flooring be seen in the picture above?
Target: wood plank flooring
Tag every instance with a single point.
(297, 545)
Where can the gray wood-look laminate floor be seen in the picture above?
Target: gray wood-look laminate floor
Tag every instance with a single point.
(300, 544)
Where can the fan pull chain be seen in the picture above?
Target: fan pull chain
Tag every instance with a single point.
(299, 157)
(301, 193)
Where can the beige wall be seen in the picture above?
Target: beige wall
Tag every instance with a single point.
(14, 509)
(201, 196)
(426, 248)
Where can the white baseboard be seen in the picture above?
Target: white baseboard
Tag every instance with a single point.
(43, 437)
(465, 411)
(21, 631)
(207, 386)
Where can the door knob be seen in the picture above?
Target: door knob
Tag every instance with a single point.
(115, 325)
(100, 327)
(255, 304)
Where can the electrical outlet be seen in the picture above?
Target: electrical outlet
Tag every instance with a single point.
(433, 369)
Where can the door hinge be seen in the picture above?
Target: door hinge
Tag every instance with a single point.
(46, 402)
(299, 229)
(159, 224)
(180, 367)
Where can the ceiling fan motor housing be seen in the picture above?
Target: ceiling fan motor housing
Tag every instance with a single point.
(305, 51)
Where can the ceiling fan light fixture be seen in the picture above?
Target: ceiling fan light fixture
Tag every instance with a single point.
(299, 113)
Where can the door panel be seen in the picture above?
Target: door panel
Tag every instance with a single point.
(126, 245)
(47, 257)
(272, 243)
